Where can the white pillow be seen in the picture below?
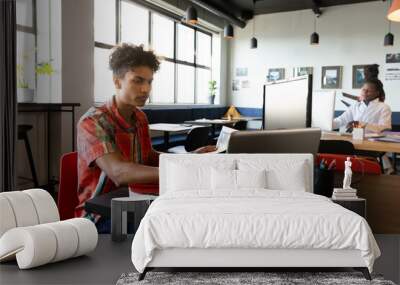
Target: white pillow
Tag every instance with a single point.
(190, 176)
(251, 179)
(223, 179)
(236, 179)
(281, 174)
(291, 180)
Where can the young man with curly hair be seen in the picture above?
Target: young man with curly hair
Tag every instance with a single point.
(114, 146)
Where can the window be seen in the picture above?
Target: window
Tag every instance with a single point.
(185, 84)
(203, 55)
(186, 52)
(134, 24)
(163, 84)
(162, 33)
(105, 36)
(104, 21)
(26, 44)
(185, 43)
(104, 86)
(202, 79)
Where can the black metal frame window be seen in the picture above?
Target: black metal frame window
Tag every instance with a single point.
(26, 43)
(186, 51)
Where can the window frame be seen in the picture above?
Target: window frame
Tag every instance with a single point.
(177, 21)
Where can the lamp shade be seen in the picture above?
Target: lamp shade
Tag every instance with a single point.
(191, 15)
(394, 11)
(253, 42)
(314, 39)
(228, 31)
(389, 39)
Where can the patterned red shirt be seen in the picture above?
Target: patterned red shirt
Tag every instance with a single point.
(103, 130)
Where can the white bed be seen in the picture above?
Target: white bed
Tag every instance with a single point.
(220, 211)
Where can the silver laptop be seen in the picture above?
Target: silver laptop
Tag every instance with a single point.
(275, 141)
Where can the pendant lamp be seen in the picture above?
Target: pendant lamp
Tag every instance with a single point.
(314, 39)
(394, 11)
(253, 41)
(228, 31)
(191, 15)
(389, 37)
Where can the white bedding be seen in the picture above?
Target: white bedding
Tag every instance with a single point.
(251, 218)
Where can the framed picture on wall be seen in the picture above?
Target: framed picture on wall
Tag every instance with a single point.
(331, 77)
(393, 58)
(300, 71)
(275, 74)
(358, 76)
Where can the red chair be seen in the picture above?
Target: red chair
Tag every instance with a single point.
(67, 193)
(150, 189)
(361, 165)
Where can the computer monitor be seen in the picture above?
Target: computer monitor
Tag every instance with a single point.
(323, 109)
(276, 141)
(287, 104)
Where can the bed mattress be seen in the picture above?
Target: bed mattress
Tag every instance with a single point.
(250, 219)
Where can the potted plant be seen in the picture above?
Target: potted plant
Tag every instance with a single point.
(44, 68)
(24, 93)
(212, 87)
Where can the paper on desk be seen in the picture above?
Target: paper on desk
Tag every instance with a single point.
(388, 138)
(223, 139)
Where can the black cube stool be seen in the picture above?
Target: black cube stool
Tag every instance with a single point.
(23, 135)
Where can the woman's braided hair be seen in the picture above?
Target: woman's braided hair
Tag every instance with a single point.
(379, 87)
(371, 77)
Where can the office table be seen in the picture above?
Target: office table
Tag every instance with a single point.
(367, 145)
(169, 128)
(213, 123)
(220, 122)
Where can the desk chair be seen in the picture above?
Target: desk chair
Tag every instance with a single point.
(275, 141)
(197, 137)
(23, 135)
(336, 147)
(240, 125)
(67, 193)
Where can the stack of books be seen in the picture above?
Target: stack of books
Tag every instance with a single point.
(344, 194)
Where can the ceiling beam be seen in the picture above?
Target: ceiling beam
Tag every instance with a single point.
(316, 5)
(228, 17)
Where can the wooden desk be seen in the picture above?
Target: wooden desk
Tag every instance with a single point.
(51, 108)
(382, 193)
(364, 144)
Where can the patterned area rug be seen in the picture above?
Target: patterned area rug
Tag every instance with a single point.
(243, 278)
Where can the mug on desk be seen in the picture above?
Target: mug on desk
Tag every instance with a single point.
(358, 133)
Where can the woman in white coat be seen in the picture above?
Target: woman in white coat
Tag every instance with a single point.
(370, 113)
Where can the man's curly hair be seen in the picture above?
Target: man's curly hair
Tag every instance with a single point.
(125, 57)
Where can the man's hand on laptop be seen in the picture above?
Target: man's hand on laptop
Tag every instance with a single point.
(205, 149)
